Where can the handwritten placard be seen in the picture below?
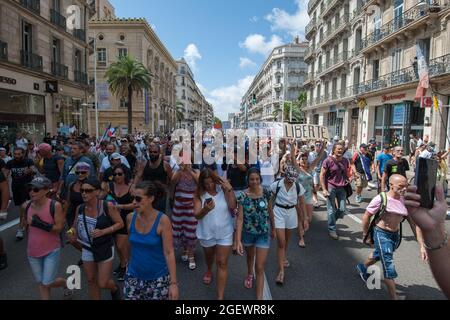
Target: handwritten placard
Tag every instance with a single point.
(305, 132)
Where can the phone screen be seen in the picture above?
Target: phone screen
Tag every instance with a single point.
(207, 201)
(425, 180)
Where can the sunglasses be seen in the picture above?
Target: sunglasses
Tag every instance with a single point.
(34, 189)
(87, 191)
(118, 174)
(138, 199)
(79, 173)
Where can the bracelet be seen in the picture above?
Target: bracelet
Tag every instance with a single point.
(442, 245)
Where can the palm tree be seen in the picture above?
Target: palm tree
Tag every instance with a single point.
(180, 112)
(297, 105)
(125, 77)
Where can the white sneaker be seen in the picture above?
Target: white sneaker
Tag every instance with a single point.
(358, 199)
(3, 215)
(333, 235)
(20, 234)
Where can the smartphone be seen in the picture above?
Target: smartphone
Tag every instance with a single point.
(208, 201)
(425, 180)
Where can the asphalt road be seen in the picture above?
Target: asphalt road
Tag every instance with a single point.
(324, 270)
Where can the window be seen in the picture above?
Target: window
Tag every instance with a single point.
(123, 52)
(396, 60)
(316, 120)
(182, 70)
(56, 5)
(124, 103)
(332, 119)
(398, 14)
(27, 42)
(278, 64)
(280, 51)
(101, 56)
(56, 51)
(278, 79)
(77, 64)
(183, 82)
(375, 69)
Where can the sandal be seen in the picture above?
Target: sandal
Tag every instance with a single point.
(207, 278)
(287, 264)
(248, 283)
(192, 264)
(280, 279)
(184, 257)
(302, 244)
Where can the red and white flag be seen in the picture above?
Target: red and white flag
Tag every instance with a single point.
(424, 79)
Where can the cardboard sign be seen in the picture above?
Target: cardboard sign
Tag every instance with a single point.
(305, 132)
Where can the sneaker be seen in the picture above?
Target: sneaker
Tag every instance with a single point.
(3, 261)
(362, 270)
(20, 234)
(116, 294)
(333, 235)
(3, 215)
(358, 199)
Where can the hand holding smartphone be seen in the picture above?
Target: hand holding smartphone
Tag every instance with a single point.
(425, 180)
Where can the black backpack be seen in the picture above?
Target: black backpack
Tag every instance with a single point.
(52, 213)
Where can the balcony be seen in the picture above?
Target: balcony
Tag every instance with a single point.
(337, 28)
(412, 19)
(57, 19)
(3, 51)
(309, 79)
(33, 5)
(80, 77)
(329, 6)
(311, 5)
(31, 60)
(366, 3)
(310, 53)
(80, 34)
(59, 70)
(335, 62)
(310, 28)
(278, 86)
(319, 100)
(393, 79)
(440, 66)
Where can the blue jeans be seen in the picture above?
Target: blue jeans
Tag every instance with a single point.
(335, 213)
(385, 245)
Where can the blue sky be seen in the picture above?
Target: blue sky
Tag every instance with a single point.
(224, 41)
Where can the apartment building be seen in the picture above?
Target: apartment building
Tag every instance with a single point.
(363, 74)
(280, 80)
(43, 67)
(154, 111)
(397, 31)
(190, 99)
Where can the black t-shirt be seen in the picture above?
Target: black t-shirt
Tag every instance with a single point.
(18, 168)
(238, 178)
(393, 167)
(51, 169)
(108, 175)
(132, 161)
(2, 164)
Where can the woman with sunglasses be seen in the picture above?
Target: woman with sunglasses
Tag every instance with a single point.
(255, 226)
(45, 221)
(120, 190)
(151, 272)
(306, 179)
(96, 220)
(212, 205)
(74, 198)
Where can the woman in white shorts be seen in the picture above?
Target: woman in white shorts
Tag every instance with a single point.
(212, 204)
(288, 203)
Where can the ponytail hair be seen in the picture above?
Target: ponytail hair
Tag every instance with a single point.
(152, 189)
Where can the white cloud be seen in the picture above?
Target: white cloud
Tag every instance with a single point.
(294, 24)
(228, 99)
(246, 62)
(254, 19)
(191, 55)
(256, 43)
(202, 88)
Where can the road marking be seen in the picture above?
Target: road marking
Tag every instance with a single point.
(266, 293)
(9, 225)
(351, 216)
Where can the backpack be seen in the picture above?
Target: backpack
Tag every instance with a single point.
(376, 218)
(52, 213)
(297, 186)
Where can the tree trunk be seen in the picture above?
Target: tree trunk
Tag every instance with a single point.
(130, 110)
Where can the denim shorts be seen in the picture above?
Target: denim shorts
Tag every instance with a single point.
(45, 268)
(227, 242)
(261, 241)
(385, 245)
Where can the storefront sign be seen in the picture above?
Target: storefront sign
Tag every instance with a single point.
(8, 80)
(103, 96)
(306, 132)
(393, 97)
(398, 114)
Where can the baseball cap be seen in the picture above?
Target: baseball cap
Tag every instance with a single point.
(2, 149)
(41, 183)
(44, 147)
(83, 167)
(363, 145)
(387, 147)
(116, 156)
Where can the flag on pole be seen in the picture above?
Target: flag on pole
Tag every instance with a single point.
(422, 68)
(105, 133)
(436, 103)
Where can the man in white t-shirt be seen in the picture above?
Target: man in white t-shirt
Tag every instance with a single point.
(386, 233)
(110, 150)
(21, 142)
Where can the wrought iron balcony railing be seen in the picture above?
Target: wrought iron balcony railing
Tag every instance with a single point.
(60, 70)
(57, 19)
(31, 60)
